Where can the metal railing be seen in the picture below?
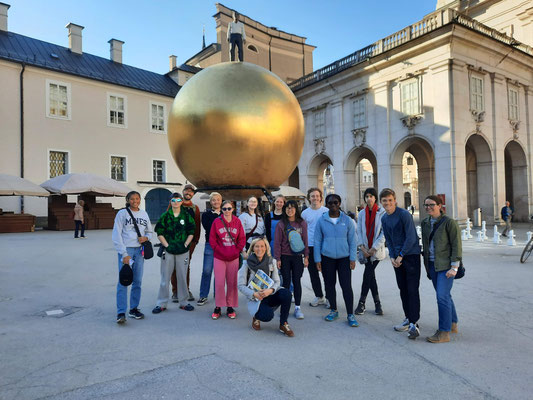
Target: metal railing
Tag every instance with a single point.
(430, 23)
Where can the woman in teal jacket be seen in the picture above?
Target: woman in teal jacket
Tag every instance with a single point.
(335, 252)
(442, 255)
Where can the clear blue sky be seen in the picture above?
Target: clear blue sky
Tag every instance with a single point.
(153, 30)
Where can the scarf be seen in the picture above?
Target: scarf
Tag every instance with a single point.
(370, 222)
(254, 264)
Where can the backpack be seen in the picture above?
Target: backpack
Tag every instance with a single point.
(295, 240)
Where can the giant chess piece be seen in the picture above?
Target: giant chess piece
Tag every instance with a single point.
(236, 37)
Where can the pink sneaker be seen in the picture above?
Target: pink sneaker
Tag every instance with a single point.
(231, 313)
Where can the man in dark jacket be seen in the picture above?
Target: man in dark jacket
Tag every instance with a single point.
(507, 215)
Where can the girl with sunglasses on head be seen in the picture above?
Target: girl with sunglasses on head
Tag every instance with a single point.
(175, 231)
(290, 263)
(335, 253)
(227, 238)
(252, 220)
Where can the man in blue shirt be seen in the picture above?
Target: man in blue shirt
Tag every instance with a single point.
(404, 251)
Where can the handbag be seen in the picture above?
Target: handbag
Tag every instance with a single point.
(147, 249)
(295, 240)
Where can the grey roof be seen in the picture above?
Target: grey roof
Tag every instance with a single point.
(19, 48)
(190, 68)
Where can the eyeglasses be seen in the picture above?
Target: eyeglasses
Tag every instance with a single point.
(333, 202)
(430, 205)
(176, 200)
(227, 208)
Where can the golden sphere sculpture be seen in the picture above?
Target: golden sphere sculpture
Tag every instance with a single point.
(236, 125)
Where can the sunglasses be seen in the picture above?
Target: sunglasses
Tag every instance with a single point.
(227, 208)
(430, 205)
(176, 200)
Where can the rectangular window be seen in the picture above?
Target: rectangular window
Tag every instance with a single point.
(116, 110)
(476, 94)
(410, 97)
(158, 171)
(157, 120)
(320, 124)
(58, 161)
(514, 113)
(57, 99)
(359, 112)
(118, 168)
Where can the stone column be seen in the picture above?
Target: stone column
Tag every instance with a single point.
(499, 110)
(379, 135)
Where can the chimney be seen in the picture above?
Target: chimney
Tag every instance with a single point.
(3, 16)
(115, 50)
(173, 62)
(74, 37)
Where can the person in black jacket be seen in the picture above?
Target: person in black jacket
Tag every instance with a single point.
(207, 220)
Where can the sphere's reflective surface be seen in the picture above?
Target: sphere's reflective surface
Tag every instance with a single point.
(236, 124)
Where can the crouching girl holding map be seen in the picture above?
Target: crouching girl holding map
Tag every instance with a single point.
(259, 282)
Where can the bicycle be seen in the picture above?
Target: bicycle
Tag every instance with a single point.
(529, 246)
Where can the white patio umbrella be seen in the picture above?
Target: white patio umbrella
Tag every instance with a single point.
(14, 186)
(85, 183)
(289, 191)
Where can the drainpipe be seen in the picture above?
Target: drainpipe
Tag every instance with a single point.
(22, 131)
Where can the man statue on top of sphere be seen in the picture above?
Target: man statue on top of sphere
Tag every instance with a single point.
(236, 37)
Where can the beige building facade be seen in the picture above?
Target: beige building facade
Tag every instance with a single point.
(451, 91)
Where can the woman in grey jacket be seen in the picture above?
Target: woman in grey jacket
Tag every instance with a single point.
(370, 248)
(263, 303)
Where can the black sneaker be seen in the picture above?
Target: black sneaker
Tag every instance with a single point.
(121, 318)
(202, 301)
(158, 309)
(379, 309)
(136, 313)
(360, 310)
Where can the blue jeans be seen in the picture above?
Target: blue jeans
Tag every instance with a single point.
(122, 291)
(443, 288)
(207, 270)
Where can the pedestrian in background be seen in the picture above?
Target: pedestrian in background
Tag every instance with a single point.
(441, 238)
(79, 221)
(371, 248)
(292, 263)
(335, 252)
(208, 217)
(129, 247)
(507, 215)
(404, 252)
(175, 230)
(227, 239)
(311, 215)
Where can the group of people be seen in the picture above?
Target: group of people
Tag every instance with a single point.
(282, 244)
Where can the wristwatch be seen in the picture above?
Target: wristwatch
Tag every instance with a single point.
(455, 269)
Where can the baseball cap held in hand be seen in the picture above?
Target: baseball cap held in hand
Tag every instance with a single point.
(125, 276)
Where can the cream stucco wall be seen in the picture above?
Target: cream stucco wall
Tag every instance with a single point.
(86, 136)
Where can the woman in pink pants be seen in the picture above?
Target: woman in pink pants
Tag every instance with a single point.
(227, 239)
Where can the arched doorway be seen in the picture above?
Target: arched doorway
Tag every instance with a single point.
(479, 177)
(360, 173)
(156, 202)
(319, 169)
(294, 179)
(516, 182)
(407, 199)
(419, 151)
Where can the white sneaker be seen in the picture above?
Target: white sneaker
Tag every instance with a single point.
(318, 301)
(403, 327)
(298, 314)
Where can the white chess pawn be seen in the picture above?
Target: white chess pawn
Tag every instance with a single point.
(464, 235)
(511, 241)
(479, 236)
